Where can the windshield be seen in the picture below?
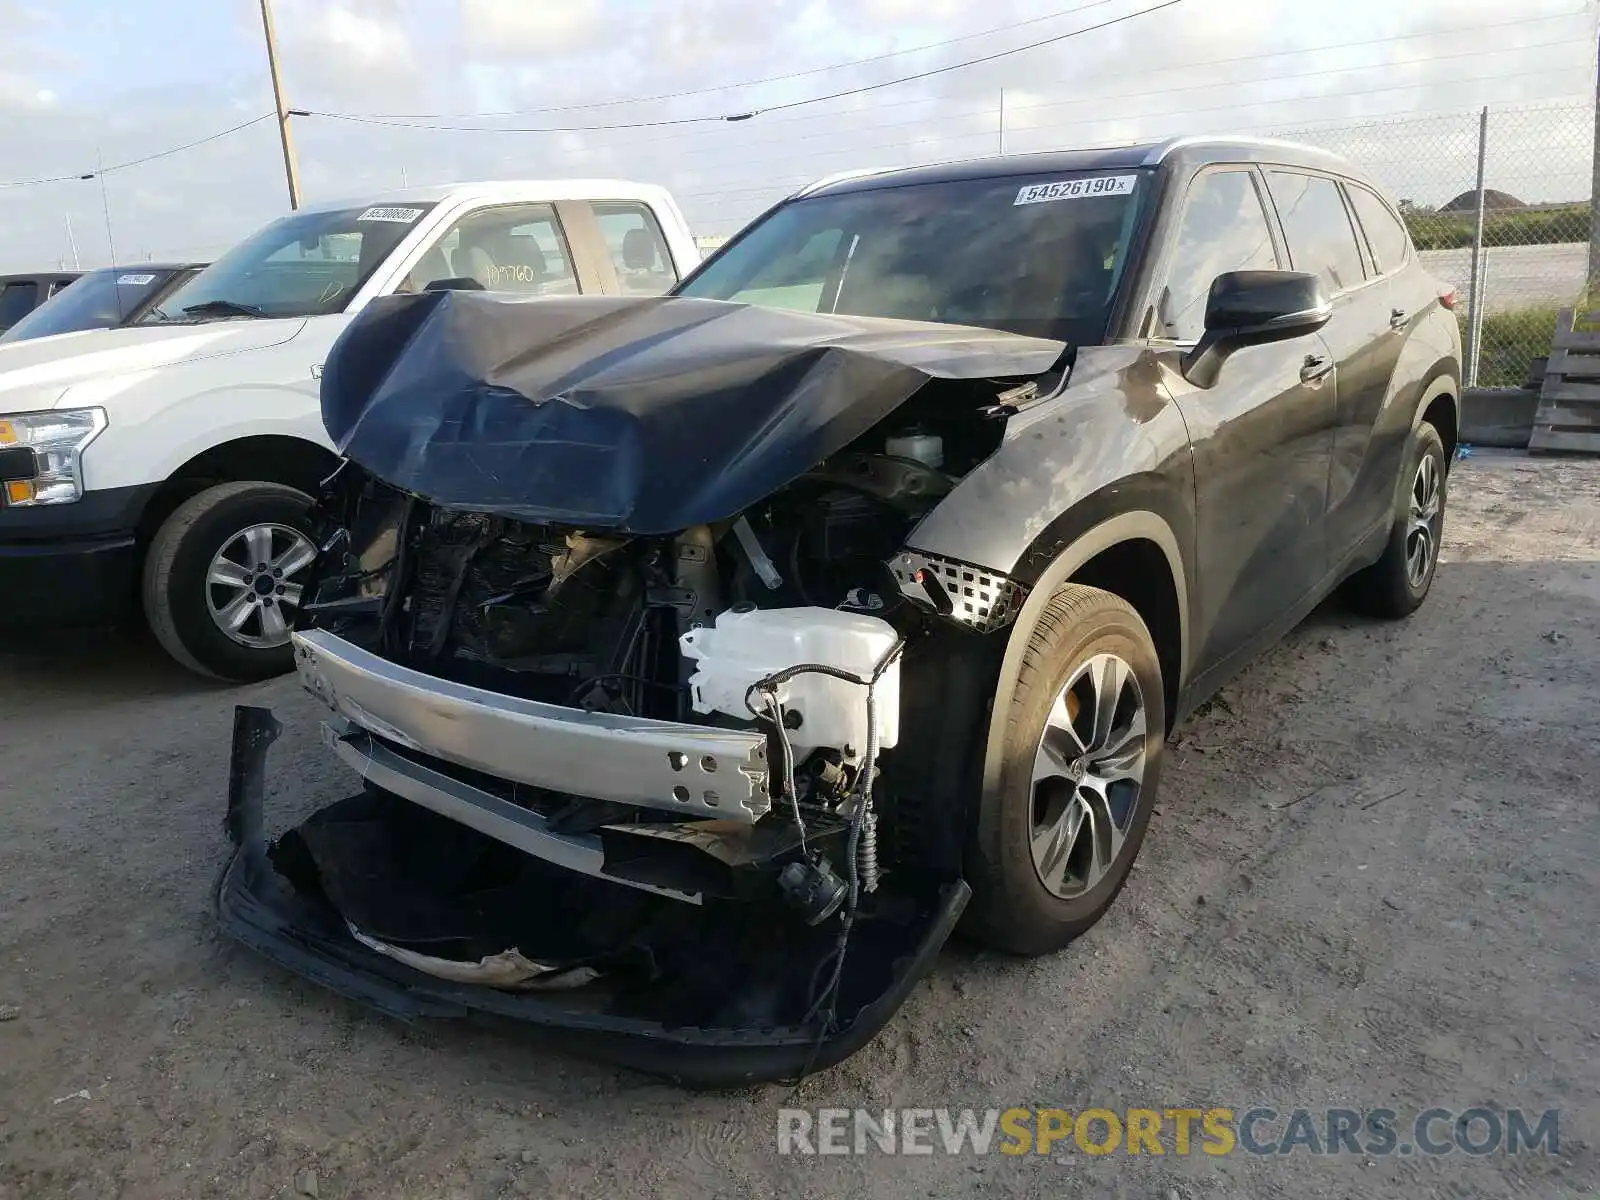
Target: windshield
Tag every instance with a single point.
(302, 265)
(1037, 255)
(98, 300)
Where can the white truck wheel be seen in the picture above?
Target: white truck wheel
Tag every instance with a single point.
(222, 579)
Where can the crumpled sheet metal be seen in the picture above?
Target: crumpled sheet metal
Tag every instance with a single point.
(640, 415)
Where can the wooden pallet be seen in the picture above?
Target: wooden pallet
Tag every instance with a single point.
(1568, 418)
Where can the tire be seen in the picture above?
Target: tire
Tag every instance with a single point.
(1390, 588)
(180, 597)
(1012, 908)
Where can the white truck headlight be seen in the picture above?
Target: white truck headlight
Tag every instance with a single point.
(41, 454)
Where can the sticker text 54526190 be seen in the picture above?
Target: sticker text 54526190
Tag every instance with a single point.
(1077, 189)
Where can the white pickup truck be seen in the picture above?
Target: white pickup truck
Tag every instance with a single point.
(165, 466)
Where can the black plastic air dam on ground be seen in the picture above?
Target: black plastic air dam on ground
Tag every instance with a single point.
(260, 908)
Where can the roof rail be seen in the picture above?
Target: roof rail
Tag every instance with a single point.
(839, 177)
(1161, 150)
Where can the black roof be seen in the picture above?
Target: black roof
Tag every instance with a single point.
(1191, 150)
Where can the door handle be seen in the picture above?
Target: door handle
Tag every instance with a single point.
(1316, 368)
(1398, 317)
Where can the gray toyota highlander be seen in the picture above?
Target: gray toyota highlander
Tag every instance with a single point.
(705, 660)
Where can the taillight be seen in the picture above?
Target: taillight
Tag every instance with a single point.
(1447, 297)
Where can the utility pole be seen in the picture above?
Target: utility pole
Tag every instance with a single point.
(1002, 120)
(72, 241)
(290, 170)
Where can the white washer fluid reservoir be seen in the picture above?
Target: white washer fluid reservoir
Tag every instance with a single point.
(748, 644)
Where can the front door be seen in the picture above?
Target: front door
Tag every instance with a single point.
(1261, 433)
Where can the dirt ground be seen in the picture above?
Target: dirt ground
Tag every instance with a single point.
(1373, 881)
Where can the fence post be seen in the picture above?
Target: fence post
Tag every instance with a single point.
(1592, 292)
(1474, 291)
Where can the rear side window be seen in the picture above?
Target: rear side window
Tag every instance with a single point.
(638, 251)
(1385, 234)
(1224, 229)
(1317, 227)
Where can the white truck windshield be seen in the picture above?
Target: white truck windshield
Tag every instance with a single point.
(305, 264)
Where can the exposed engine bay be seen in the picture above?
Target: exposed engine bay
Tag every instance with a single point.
(700, 779)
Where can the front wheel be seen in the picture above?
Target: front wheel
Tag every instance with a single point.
(222, 579)
(1081, 761)
(1396, 585)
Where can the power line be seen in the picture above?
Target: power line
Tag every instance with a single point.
(1185, 67)
(989, 113)
(901, 144)
(745, 116)
(134, 162)
(746, 83)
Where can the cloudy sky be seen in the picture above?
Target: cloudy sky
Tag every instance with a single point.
(84, 82)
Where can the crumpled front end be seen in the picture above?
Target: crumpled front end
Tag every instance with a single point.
(691, 786)
(705, 995)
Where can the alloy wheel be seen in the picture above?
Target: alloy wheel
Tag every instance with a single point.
(251, 591)
(1087, 774)
(1422, 532)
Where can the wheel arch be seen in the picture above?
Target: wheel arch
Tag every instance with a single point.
(1122, 554)
(1439, 404)
(270, 458)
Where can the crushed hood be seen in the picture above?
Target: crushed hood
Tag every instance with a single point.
(47, 366)
(640, 415)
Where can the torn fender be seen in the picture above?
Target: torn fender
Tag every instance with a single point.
(642, 415)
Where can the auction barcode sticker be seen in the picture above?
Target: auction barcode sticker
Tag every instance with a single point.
(401, 216)
(1077, 189)
(134, 280)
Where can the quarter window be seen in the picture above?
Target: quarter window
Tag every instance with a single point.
(1385, 234)
(1317, 228)
(638, 251)
(1224, 229)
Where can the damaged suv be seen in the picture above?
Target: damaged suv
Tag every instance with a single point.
(706, 658)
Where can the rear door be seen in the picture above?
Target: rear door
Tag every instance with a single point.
(629, 247)
(1260, 434)
(1366, 463)
(1322, 238)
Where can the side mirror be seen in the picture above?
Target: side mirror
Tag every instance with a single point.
(1247, 308)
(457, 283)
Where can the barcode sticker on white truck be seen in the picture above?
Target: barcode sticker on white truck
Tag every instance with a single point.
(400, 216)
(1077, 189)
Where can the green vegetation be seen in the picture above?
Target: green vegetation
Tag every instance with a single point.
(1511, 341)
(1433, 230)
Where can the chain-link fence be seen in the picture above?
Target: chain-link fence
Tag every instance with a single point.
(1498, 205)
